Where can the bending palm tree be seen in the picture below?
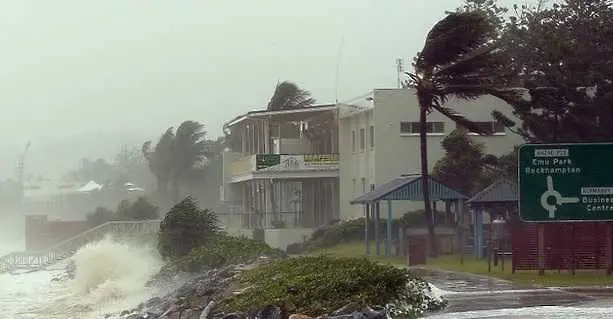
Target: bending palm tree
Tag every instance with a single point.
(289, 96)
(459, 59)
(189, 149)
(160, 160)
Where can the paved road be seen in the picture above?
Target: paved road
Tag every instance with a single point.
(469, 292)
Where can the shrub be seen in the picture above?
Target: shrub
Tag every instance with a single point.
(323, 284)
(353, 230)
(347, 231)
(225, 250)
(141, 209)
(186, 227)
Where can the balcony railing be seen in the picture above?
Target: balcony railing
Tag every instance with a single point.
(284, 163)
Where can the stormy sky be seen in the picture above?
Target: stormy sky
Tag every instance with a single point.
(79, 77)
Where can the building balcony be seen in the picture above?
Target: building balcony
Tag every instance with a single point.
(283, 166)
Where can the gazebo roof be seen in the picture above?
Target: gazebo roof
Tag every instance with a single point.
(408, 188)
(501, 191)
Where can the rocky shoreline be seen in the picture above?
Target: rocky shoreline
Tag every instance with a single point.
(198, 296)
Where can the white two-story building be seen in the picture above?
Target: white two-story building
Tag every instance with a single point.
(379, 140)
(281, 174)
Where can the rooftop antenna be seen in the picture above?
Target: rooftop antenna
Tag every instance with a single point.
(338, 67)
(399, 71)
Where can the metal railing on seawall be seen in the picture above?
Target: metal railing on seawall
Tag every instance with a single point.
(32, 260)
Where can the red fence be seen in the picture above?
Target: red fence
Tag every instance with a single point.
(566, 246)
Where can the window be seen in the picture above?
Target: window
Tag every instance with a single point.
(353, 141)
(362, 139)
(363, 185)
(371, 136)
(372, 187)
(413, 128)
(491, 128)
(353, 182)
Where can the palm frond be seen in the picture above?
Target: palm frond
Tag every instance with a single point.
(518, 98)
(486, 60)
(454, 36)
(288, 95)
(460, 119)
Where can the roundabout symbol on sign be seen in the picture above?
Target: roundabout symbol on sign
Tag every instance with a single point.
(558, 199)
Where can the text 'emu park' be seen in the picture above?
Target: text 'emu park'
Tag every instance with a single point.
(566, 182)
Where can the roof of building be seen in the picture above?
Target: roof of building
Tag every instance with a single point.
(299, 113)
(408, 188)
(501, 191)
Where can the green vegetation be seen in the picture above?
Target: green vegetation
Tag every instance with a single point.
(467, 168)
(192, 241)
(288, 95)
(318, 285)
(225, 250)
(184, 159)
(141, 209)
(552, 278)
(358, 250)
(459, 60)
(350, 231)
(186, 227)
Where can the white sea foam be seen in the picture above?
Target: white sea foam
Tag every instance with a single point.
(110, 277)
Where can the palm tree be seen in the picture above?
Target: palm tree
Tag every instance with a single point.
(459, 59)
(160, 160)
(289, 96)
(189, 150)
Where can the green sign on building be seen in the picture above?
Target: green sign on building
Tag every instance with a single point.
(566, 182)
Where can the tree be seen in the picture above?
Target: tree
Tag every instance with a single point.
(467, 167)
(133, 167)
(141, 209)
(160, 160)
(98, 170)
(177, 157)
(462, 166)
(189, 152)
(460, 58)
(289, 96)
(489, 8)
(562, 56)
(186, 227)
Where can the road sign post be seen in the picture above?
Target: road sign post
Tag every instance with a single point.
(565, 182)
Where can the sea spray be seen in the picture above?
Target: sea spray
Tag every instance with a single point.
(110, 276)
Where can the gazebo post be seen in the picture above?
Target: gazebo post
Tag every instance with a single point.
(388, 239)
(460, 216)
(477, 231)
(366, 220)
(377, 222)
(480, 232)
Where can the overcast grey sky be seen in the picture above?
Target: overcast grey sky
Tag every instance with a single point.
(135, 67)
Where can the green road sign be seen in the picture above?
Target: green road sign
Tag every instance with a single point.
(566, 182)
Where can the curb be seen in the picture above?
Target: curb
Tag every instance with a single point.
(588, 289)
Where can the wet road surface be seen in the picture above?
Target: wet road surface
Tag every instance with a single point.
(474, 296)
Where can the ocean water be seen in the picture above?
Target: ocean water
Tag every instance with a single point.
(110, 278)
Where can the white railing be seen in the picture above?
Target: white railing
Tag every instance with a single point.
(65, 249)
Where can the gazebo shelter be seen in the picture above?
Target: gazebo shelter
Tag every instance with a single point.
(499, 198)
(403, 188)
